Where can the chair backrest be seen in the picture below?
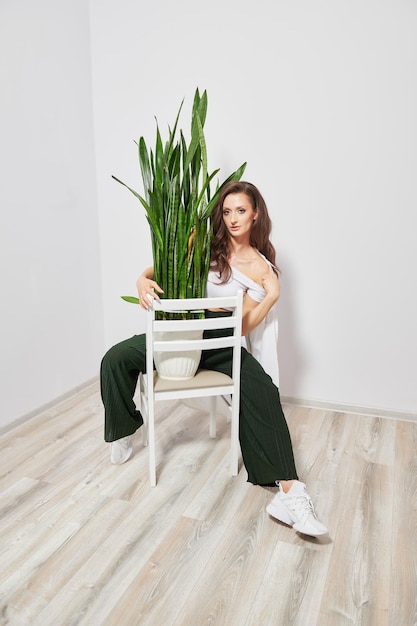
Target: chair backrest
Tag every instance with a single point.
(232, 322)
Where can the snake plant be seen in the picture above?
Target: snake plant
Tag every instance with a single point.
(178, 200)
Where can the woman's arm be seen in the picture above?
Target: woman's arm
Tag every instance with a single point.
(147, 288)
(254, 312)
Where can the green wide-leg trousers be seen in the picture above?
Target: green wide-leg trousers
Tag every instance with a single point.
(263, 432)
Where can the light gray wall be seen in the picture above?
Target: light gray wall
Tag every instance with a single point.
(320, 99)
(51, 305)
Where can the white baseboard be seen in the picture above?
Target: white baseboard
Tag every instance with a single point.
(351, 408)
(314, 404)
(46, 407)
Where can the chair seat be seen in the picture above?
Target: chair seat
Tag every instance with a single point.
(203, 379)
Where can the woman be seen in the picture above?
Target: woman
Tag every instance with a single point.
(243, 257)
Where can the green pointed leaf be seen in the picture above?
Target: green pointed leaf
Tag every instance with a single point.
(131, 299)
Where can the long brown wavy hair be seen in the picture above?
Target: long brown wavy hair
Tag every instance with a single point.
(260, 233)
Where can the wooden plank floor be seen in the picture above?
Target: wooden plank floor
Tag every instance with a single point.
(85, 542)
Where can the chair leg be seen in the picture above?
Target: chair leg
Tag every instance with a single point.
(234, 437)
(213, 417)
(151, 443)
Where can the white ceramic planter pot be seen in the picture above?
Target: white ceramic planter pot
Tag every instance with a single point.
(177, 365)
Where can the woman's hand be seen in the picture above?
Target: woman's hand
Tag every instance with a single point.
(254, 312)
(270, 283)
(147, 288)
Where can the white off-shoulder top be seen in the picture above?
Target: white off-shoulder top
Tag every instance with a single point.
(262, 341)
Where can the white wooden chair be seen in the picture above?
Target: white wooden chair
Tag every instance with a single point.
(205, 383)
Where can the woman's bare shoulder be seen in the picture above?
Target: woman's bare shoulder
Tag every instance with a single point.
(255, 268)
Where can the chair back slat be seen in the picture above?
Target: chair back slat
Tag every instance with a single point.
(208, 323)
(193, 304)
(183, 345)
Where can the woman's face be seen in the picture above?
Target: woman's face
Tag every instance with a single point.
(238, 215)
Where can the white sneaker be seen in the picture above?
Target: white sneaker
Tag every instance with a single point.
(295, 508)
(120, 450)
